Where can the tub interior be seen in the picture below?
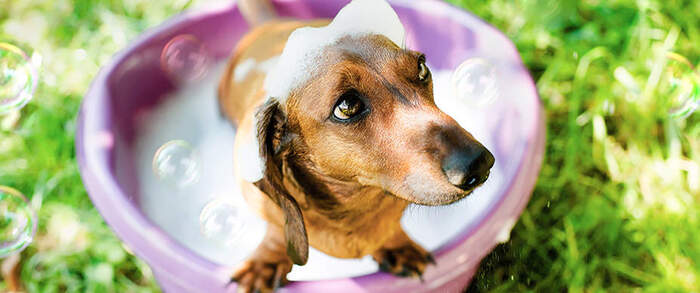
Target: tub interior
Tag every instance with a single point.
(160, 109)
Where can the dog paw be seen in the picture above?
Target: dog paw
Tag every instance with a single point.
(404, 261)
(263, 277)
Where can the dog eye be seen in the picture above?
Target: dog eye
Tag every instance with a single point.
(348, 106)
(423, 71)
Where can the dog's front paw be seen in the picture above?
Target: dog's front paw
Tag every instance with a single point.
(405, 261)
(258, 276)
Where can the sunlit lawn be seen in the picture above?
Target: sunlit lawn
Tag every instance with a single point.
(616, 206)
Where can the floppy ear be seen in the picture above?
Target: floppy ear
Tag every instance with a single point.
(273, 140)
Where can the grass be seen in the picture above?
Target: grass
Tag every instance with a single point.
(615, 209)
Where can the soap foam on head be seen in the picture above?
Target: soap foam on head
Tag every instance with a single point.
(304, 50)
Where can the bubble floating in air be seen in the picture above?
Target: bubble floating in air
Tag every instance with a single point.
(18, 78)
(221, 222)
(176, 162)
(680, 85)
(474, 81)
(17, 221)
(185, 59)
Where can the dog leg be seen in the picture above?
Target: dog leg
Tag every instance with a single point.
(402, 257)
(267, 268)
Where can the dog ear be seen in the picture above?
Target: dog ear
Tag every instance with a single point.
(274, 141)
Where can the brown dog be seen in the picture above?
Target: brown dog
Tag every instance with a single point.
(344, 153)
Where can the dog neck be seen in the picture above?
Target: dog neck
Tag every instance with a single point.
(335, 199)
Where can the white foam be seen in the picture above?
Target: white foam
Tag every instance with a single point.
(192, 114)
(249, 65)
(268, 64)
(243, 69)
(303, 52)
(249, 163)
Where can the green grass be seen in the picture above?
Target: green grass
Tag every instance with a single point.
(615, 209)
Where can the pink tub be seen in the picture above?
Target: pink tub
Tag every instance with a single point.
(134, 82)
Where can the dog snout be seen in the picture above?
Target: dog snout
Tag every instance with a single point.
(468, 168)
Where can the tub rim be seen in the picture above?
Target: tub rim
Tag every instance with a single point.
(169, 258)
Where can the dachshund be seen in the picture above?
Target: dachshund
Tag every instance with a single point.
(334, 163)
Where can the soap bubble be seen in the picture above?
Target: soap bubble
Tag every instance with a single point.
(17, 222)
(17, 78)
(185, 58)
(176, 162)
(221, 222)
(474, 82)
(680, 85)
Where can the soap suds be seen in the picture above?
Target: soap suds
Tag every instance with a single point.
(243, 69)
(247, 156)
(250, 65)
(304, 51)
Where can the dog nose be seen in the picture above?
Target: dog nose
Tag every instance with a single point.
(468, 168)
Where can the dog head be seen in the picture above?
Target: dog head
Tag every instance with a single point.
(368, 116)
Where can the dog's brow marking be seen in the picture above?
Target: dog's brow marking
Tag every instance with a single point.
(396, 92)
(387, 84)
